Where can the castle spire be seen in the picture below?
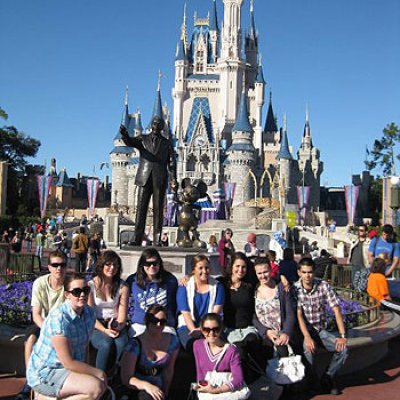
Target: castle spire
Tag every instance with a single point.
(253, 32)
(270, 122)
(284, 152)
(157, 109)
(260, 73)
(307, 139)
(183, 28)
(126, 118)
(213, 24)
(242, 122)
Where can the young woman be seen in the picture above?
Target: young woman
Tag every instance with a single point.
(109, 298)
(213, 354)
(274, 307)
(147, 365)
(151, 285)
(57, 365)
(239, 311)
(212, 245)
(201, 295)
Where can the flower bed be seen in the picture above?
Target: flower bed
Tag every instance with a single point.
(15, 303)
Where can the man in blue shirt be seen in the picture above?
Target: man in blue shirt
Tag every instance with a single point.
(385, 244)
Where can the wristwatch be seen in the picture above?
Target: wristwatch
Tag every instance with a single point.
(343, 335)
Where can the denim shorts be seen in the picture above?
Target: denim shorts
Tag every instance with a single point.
(53, 383)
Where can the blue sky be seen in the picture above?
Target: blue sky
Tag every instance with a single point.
(64, 66)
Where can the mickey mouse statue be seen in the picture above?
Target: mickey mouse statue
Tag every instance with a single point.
(189, 215)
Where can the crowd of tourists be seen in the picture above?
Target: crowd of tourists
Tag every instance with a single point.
(261, 309)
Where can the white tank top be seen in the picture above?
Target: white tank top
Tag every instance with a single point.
(105, 309)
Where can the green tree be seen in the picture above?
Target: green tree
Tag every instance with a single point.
(382, 155)
(15, 147)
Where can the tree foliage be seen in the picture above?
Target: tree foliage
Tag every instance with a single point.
(15, 148)
(382, 155)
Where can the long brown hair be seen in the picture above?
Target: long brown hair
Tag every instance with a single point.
(108, 256)
(141, 276)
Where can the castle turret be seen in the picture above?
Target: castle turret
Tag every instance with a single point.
(120, 156)
(251, 48)
(310, 165)
(214, 33)
(259, 90)
(242, 155)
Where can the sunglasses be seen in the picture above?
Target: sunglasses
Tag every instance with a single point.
(78, 291)
(208, 330)
(150, 263)
(154, 320)
(56, 265)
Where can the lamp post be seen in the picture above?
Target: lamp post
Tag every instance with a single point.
(395, 198)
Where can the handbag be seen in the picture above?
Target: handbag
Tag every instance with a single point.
(286, 370)
(215, 378)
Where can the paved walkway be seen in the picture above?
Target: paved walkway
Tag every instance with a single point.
(379, 382)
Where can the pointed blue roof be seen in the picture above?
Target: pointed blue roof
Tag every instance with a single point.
(213, 23)
(63, 179)
(138, 125)
(180, 51)
(260, 75)
(157, 108)
(270, 122)
(200, 106)
(126, 121)
(242, 122)
(284, 152)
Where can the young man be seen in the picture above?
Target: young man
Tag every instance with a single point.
(47, 293)
(80, 245)
(385, 244)
(312, 297)
(358, 259)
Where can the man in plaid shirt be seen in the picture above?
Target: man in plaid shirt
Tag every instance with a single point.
(313, 295)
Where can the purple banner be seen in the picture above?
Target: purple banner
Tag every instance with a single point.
(351, 196)
(92, 190)
(44, 185)
(303, 196)
(229, 189)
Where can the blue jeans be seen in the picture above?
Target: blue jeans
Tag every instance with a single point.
(105, 346)
(329, 342)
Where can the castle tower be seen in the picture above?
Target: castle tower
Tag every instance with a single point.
(251, 49)
(120, 156)
(310, 166)
(242, 155)
(259, 91)
(285, 161)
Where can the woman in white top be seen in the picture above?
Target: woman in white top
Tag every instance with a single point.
(109, 297)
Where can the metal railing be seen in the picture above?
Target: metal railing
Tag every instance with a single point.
(369, 313)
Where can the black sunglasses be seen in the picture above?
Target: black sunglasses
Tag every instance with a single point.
(150, 263)
(56, 265)
(208, 330)
(78, 291)
(154, 320)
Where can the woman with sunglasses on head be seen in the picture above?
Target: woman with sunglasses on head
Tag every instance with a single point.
(151, 284)
(201, 295)
(275, 317)
(147, 365)
(213, 356)
(109, 298)
(57, 366)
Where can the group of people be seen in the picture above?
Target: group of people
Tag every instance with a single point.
(233, 323)
(373, 258)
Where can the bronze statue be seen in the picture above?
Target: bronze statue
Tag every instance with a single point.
(157, 163)
(189, 216)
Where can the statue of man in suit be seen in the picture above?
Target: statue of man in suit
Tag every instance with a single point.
(157, 163)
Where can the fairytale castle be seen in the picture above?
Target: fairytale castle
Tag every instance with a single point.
(218, 129)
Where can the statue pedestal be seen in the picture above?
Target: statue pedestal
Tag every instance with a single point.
(176, 260)
(111, 230)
